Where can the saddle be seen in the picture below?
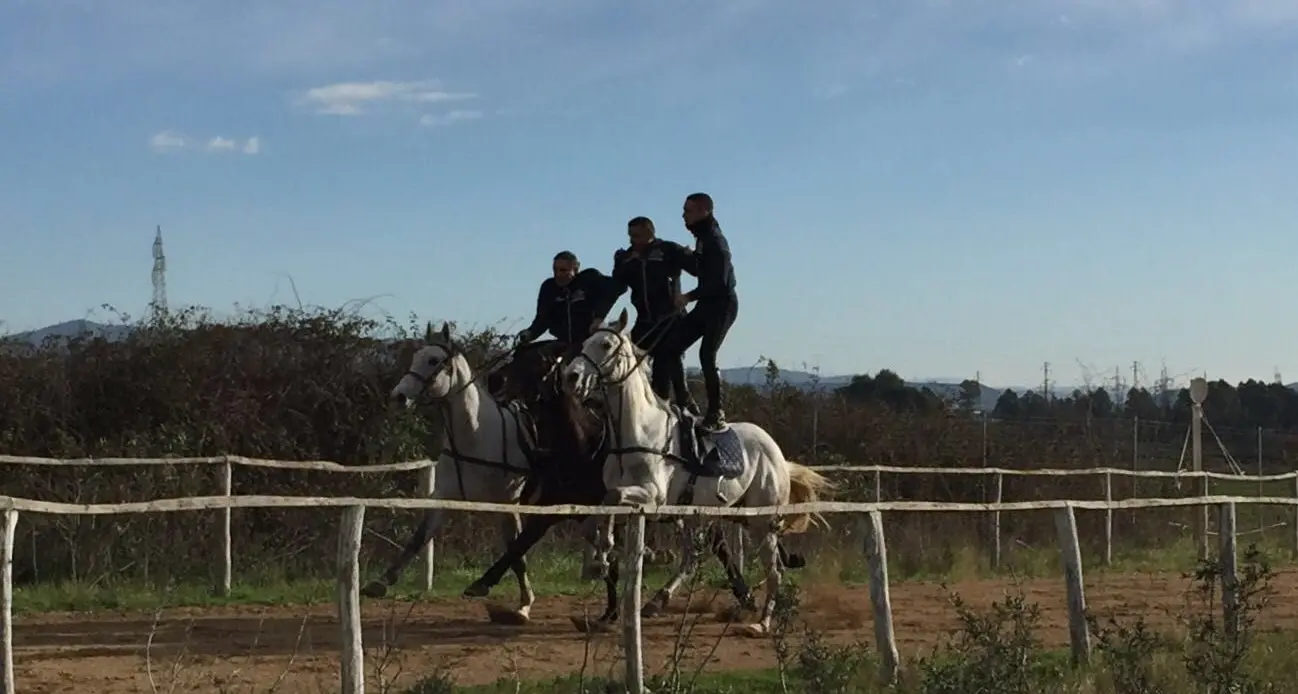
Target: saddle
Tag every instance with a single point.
(710, 454)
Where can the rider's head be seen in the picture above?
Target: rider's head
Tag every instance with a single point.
(641, 232)
(698, 207)
(565, 267)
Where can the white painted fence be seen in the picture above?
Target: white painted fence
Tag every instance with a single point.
(229, 462)
(353, 516)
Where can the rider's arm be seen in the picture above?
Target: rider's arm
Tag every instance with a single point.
(612, 287)
(683, 257)
(543, 301)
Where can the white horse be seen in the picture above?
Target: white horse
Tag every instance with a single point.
(485, 455)
(648, 464)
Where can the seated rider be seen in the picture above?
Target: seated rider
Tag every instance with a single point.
(651, 269)
(566, 303)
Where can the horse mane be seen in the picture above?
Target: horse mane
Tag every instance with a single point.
(640, 365)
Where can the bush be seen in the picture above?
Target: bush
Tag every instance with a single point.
(303, 384)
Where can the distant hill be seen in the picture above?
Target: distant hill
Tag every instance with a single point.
(70, 329)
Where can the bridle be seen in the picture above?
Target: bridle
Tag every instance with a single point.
(442, 403)
(606, 381)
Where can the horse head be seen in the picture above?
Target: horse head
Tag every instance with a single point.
(608, 357)
(436, 370)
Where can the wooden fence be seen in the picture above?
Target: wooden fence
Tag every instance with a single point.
(353, 517)
(426, 467)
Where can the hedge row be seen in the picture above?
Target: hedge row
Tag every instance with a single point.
(313, 384)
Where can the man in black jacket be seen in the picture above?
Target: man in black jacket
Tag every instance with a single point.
(715, 304)
(651, 270)
(566, 303)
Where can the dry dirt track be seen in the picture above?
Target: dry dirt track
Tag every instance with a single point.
(209, 650)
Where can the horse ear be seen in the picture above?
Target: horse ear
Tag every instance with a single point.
(621, 321)
(428, 332)
(446, 332)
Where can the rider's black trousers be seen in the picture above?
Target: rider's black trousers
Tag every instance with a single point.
(709, 321)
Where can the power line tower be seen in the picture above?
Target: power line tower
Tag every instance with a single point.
(159, 303)
(1045, 381)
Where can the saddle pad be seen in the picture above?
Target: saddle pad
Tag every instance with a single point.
(729, 459)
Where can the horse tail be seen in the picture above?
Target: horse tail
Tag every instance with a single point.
(805, 486)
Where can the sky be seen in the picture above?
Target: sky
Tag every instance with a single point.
(937, 187)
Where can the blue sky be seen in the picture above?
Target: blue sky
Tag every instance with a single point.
(936, 187)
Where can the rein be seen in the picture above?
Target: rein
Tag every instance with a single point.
(443, 406)
(606, 382)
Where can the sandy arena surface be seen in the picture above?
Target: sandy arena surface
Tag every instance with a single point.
(250, 649)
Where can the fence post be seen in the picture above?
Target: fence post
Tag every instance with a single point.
(738, 545)
(633, 642)
(426, 491)
(1228, 563)
(1070, 556)
(1108, 519)
(1262, 511)
(1293, 549)
(876, 558)
(996, 522)
(7, 600)
(349, 600)
(227, 544)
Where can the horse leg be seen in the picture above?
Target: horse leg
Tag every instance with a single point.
(769, 556)
(598, 531)
(534, 528)
(431, 522)
(511, 528)
(791, 560)
(610, 591)
(689, 565)
(734, 572)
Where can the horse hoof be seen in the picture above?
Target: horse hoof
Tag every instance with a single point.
(374, 589)
(476, 591)
(498, 614)
(753, 630)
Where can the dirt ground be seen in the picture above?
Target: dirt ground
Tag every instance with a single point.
(294, 649)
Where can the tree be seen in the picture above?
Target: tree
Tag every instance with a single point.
(1007, 406)
(969, 398)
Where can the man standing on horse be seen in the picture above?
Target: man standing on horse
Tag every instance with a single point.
(715, 304)
(651, 269)
(566, 302)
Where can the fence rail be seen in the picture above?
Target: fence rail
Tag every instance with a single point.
(426, 469)
(425, 464)
(353, 515)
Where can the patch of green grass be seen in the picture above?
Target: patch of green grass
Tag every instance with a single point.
(558, 573)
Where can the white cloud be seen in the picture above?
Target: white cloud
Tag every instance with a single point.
(354, 98)
(219, 143)
(169, 141)
(449, 118)
(166, 141)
